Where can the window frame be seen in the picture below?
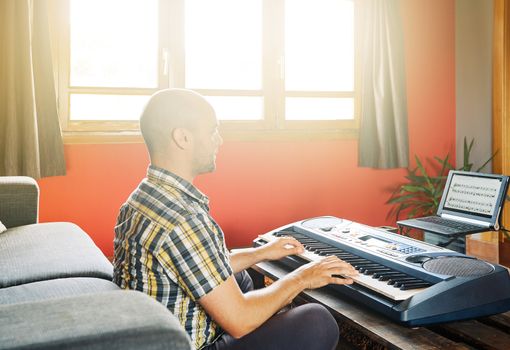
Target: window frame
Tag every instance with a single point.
(171, 72)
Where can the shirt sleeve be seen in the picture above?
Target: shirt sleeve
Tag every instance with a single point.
(195, 255)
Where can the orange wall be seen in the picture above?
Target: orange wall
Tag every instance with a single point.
(261, 185)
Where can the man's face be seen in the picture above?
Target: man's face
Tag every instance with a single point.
(207, 140)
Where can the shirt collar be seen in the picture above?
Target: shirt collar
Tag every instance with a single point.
(164, 177)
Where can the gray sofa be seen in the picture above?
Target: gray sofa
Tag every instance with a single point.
(56, 290)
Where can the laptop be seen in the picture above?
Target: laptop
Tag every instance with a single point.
(471, 202)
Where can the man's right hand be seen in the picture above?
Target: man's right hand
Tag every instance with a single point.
(322, 272)
(239, 314)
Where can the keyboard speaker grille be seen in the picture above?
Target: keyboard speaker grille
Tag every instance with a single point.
(458, 266)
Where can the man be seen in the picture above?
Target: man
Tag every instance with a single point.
(168, 246)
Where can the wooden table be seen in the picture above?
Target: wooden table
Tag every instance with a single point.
(361, 328)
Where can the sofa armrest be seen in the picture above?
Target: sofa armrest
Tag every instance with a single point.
(110, 320)
(19, 200)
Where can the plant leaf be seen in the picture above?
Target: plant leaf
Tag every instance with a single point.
(487, 162)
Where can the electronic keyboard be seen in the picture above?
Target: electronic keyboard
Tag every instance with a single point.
(409, 281)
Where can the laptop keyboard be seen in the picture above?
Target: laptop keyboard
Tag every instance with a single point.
(451, 224)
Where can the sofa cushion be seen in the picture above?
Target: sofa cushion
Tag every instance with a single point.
(52, 289)
(112, 320)
(19, 200)
(39, 252)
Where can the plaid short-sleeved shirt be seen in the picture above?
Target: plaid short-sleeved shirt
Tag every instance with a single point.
(168, 246)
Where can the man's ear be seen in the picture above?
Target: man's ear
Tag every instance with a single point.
(182, 138)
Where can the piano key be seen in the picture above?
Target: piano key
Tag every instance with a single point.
(315, 248)
(362, 263)
(416, 281)
(306, 240)
(386, 273)
(317, 245)
(369, 271)
(399, 284)
(392, 281)
(367, 263)
(391, 272)
(382, 268)
(330, 251)
(409, 286)
(355, 260)
(363, 267)
(346, 256)
(284, 233)
(388, 276)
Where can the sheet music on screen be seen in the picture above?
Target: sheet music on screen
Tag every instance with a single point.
(473, 194)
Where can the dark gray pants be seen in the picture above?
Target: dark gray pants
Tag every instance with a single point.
(308, 326)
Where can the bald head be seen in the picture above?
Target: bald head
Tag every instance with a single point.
(170, 109)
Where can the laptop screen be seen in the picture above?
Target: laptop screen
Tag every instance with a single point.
(474, 194)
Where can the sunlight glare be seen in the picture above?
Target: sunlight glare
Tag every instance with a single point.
(223, 41)
(319, 45)
(114, 43)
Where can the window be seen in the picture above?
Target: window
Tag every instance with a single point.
(271, 65)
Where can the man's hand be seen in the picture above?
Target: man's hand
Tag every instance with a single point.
(239, 314)
(319, 273)
(280, 248)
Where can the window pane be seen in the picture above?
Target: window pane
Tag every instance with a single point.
(223, 44)
(237, 107)
(308, 108)
(107, 107)
(319, 45)
(114, 43)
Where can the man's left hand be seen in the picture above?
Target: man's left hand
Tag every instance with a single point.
(280, 248)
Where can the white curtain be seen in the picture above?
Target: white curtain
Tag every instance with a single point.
(383, 140)
(30, 137)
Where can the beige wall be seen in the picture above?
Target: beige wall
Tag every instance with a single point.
(473, 62)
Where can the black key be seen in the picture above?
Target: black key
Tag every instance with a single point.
(381, 269)
(327, 252)
(391, 272)
(357, 262)
(316, 246)
(284, 233)
(395, 280)
(362, 267)
(365, 263)
(331, 250)
(371, 270)
(401, 283)
(382, 273)
(307, 240)
(347, 256)
(388, 276)
(303, 242)
(408, 286)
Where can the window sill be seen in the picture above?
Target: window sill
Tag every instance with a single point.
(108, 137)
(95, 137)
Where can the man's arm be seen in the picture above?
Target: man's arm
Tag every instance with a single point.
(240, 314)
(241, 259)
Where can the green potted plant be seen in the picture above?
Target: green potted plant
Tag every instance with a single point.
(421, 194)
